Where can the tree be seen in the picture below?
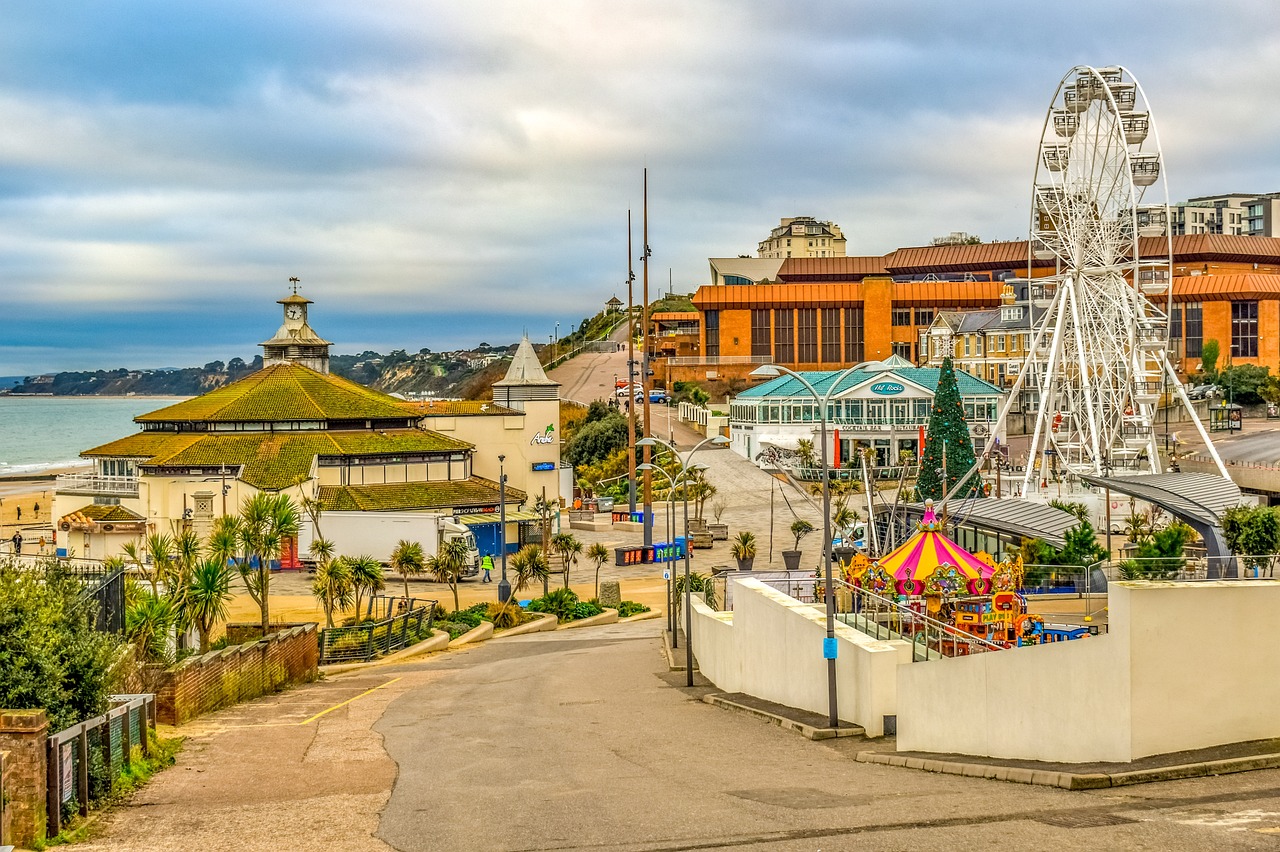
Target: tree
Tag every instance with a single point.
(948, 435)
(208, 592)
(51, 654)
(529, 565)
(366, 577)
(1080, 510)
(148, 625)
(568, 548)
(805, 454)
(842, 517)
(265, 522)
(599, 554)
(406, 559)
(1209, 359)
(597, 440)
(1252, 531)
(799, 529)
(1245, 383)
(449, 563)
(333, 586)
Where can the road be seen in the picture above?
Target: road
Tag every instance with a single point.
(580, 740)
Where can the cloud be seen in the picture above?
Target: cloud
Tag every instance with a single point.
(441, 173)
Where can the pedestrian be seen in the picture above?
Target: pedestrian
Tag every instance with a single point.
(19, 513)
(17, 543)
(487, 564)
(37, 508)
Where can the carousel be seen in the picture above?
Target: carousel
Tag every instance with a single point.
(931, 580)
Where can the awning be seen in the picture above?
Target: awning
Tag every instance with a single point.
(1010, 515)
(494, 517)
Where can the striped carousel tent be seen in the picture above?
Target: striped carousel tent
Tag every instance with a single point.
(928, 551)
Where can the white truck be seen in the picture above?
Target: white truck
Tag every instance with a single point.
(376, 534)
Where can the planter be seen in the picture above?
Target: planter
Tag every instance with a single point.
(719, 532)
(791, 559)
(697, 525)
(745, 564)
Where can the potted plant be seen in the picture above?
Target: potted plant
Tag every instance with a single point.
(799, 529)
(719, 531)
(744, 550)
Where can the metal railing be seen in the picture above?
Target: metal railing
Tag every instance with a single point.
(86, 760)
(103, 586)
(362, 642)
(90, 483)
(717, 360)
(1190, 569)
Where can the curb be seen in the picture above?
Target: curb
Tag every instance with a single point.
(438, 642)
(809, 732)
(476, 634)
(545, 621)
(641, 616)
(609, 616)
(670, 653)
(1073, 780)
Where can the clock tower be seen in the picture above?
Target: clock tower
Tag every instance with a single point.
(295, 342)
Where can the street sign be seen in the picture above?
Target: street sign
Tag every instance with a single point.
(666, 574)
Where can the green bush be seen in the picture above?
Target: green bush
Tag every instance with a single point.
(562, 603)
(453, 628)
(586, 609)
(626, 609)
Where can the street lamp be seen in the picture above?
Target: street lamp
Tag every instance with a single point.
(671, 511)
(685, 468)
(504, 588)
(772, 371)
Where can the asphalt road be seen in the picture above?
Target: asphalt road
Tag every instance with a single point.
(581, 741)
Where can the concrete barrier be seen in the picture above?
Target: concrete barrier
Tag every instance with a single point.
(542, 621)
(475, 634)
(609, 616)
(771, 646)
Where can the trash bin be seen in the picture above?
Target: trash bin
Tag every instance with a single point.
(604, 504)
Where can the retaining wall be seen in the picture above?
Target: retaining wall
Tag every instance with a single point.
(219, 679)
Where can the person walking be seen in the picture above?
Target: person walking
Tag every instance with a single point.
(486, 563)
(17, 543)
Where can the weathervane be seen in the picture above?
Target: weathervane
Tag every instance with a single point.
(295, 282)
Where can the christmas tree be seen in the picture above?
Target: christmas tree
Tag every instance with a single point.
(946, 428)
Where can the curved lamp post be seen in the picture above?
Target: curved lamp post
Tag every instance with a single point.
(772, 371)
(685, 467)
(672, 484)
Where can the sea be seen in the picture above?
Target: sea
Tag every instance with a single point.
(42, 432)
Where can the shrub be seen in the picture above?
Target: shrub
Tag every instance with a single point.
(504, 615)
(562, 603)
(586, 609)
(626, 609)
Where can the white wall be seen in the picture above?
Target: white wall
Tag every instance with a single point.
(770, 646)
(1184, 666)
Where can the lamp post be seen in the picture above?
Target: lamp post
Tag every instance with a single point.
(504, 587)
(685, 467)
(823, 400)
(671, 512)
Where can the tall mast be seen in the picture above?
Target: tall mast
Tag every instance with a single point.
(631, 373)
(644, 378)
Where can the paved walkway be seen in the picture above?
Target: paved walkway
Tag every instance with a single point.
(580, 740)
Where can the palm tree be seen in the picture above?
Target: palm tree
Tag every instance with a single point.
(805, 454)
(449, 564)
(408, 559)
(208, 591)
(333, 585)
(266, 521)
(568, 548)
(529, 565)
(182, 562)
(598, 554)
(147, 625)
(366, 576)
(224, 541)
(158, 552)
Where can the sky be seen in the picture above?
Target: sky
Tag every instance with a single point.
(441, 174)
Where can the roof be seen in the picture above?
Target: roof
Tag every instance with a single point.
(304, 335)
(494, 517)
(525, 368)
(98, 514)
(270, 460)
(282, 392)
(1221, 288)
(458, 408)
(668, 316)
(961, 258)
(465, 493)
(752, 268)
(1194, 497)
(927, 377)
(831, 268)
(1023, 518)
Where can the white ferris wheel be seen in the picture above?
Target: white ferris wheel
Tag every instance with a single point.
(1098, 360)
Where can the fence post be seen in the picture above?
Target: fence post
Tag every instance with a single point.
(82, 770)
(126, 738)
(404, 631)
(149, 717)
(53, 790)
(368, 642)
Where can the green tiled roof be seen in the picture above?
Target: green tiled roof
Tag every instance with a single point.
(271, 460)
(108, 514)
(459, 494)
(786, 387)
(283, 392)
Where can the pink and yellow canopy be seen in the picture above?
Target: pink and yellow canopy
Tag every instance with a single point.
(927, 551)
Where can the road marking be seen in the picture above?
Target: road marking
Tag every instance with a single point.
(348, 701)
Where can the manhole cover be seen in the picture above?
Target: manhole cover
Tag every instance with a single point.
(1084, 820)
(799, 798)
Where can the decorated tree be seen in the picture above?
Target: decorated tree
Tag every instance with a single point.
(946, 429)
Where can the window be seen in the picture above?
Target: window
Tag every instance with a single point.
(1244, 329)
(924, 316)
(903, 350)
(807, 335)
(712, 320)
(1175, 322)
(784, 339)
(967, 345)
(853, 335)
(761, 339)
(1194, 328)
(831, 335)
(1000, 343)
(901, 316)
(737, 280)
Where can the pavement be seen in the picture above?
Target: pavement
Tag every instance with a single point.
(582, 740)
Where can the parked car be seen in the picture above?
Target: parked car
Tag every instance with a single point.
(655, 396)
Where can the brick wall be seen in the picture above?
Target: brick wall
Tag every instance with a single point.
(219, 679)
(23, 734)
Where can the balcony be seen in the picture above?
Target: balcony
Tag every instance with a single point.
(94, 485)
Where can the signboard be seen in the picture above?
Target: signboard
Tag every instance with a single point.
(546, 436)
(540, 466)
(997, 618)
(887, 388)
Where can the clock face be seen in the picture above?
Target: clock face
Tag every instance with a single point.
(293, 312)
